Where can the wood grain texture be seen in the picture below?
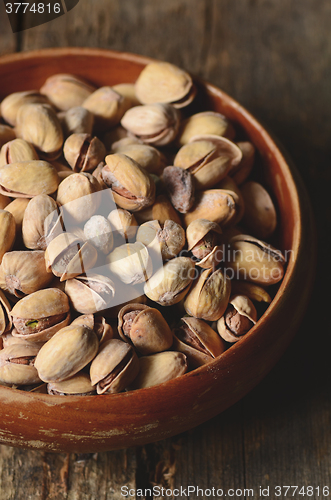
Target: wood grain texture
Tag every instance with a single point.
(8, 40)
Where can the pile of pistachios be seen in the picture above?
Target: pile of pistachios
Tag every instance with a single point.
(132, 244)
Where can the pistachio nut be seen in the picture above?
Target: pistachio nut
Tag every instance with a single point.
(33, 224)
(127, 90)
(155, 124)
(67, 256)
(159, 368)
(198, 341)
(167, 239)
(115, 367)
(66, 91)
(260, 213)
(78, 385)
(145, 328)
(166, 83)
(6, 134)
(23, 272)
(80, 195)
(38, 316)
(5, 317)
(179, 184)
(131, 263)
(98, 324)
(251, 290)
(107, 106)
(17, 364)
(83, 152)
(132, 187)
(7, 232)
(98, 231)
(240, 172)
(76, 120)
(208, 158)
(13, 102)
(148, 157)
(171, 282)
(16, 151)
(90, 294)
(216, 205)
(254, 260)
(123, 223)
(203, 238)
(238, 319)
(204, 123)
(66, 353)
(39, 125)
(27, 179)
(209, 295)
(161, 210)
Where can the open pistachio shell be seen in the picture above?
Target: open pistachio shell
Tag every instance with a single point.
(7, 232)
(202, 238)
(90, 294)
(83, 152)
(33, 225)
(16, 151)
(168, 239)
(216, 205)
(27, 179)
(5, 316)
(98, 324)
(16, 364)
(251, 290)
(159, 368)
(78, 385)
(237, 320)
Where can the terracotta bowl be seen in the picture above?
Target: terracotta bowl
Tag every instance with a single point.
(97, 423)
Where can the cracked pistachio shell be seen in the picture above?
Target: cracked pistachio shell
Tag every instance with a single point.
(13, 102)
(83, 152)
(240, 172)
(98, 231)
(171, 282)
(6, 134)
(251, 290)
(238, 319)
(27, 179)
(155, 124)
(90, 294)
(5, 316)
(39, 125)
(260, 214)
(115, 367)
(66, 353)
(98, 324)
(198, 229)
(255, 260)
(168, 238)
(204, 123)
(81, 195)
(198, 341)
(204, 234)
(7, 232)
(131, 263)
(78, 385)
(67, 256)
(66, 91)
(132, 187)
(16, 364)
(145, 327)
(107, 106)
(159, 368)
(24, 272)
(16, 151)
(38, 316)
(146, 156)
(166, 83)
(124, 223)
(33, 224)
(76, 120)
(216, 205)
(209, 295)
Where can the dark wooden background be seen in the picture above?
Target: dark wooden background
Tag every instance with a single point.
(274, 56)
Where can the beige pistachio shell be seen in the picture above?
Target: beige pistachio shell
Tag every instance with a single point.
(216, 205)
(98, 231)
(27, 179)
(16, 365)
(33, 224)
(124, 223)
(255, 260)
(240, 172)
(202, 238)
(159, 368)
(78, 385)
(145, 327)
(98, 324)
(17, 208)
(161, 210)
(13, 102)
(198, 229)
(239, 317)
(116, 135)
(83, 152)
(166, 83)
(16, 151)
(171, 282)
(155, 124)
(66, 91)
(131, 263)
(115, 367)
(7, 232)
(107, 106)
(132, 187)
(251, 290)
(209, 295)
(127, 90)
(39, 125)
(4, 201)
(5, 316)
(168, 239)
(90, 294)
(66, 353)
(230, 187)
(9, 339)
(24, 272)
(76, 120)
(204, 123)
(6, 134)
(260, 215)
(146, 156)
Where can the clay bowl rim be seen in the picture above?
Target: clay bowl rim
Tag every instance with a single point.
(279, 297)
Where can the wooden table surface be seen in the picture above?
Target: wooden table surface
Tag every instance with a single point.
(274, 57)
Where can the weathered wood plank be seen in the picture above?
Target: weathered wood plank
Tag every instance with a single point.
(8, 40)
